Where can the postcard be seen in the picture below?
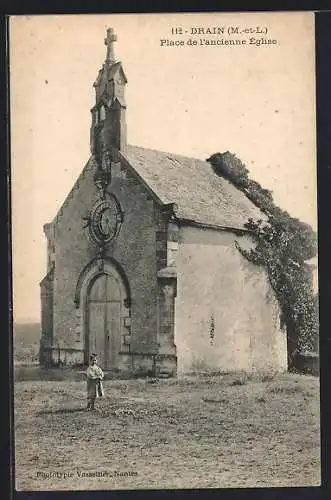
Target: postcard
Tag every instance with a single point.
(164, 245)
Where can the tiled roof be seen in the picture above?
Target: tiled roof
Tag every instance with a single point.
(200, 194)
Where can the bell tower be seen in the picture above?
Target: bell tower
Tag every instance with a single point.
(108, 127)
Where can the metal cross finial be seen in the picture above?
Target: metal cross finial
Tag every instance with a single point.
(109, 41)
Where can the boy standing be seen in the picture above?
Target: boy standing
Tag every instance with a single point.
(94, 384)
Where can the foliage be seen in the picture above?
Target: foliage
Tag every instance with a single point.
(283, 246)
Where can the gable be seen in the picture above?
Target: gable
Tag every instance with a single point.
(77, 188)
(116, 70)
(199, 193)
(117, 103)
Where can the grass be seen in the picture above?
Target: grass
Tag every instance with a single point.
(205, 431)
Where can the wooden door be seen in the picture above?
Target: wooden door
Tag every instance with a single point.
(113, 335)
(96, 330)
(104, 320)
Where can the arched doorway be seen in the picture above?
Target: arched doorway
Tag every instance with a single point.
(102, 299)
(104, 319)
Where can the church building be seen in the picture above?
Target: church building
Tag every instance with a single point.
(143, 262)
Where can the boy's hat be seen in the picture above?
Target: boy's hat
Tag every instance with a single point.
(92, 356)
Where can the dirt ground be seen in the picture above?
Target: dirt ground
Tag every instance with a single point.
(196, 432)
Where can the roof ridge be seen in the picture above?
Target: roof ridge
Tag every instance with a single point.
(166, 153)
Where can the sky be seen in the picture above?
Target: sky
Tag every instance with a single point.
(257, 101)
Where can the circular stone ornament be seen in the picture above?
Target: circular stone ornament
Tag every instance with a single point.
(106, 217)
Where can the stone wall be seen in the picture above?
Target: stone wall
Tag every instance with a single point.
(46, 297)
(227, 316)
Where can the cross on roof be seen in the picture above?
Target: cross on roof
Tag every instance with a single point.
(109, 41)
